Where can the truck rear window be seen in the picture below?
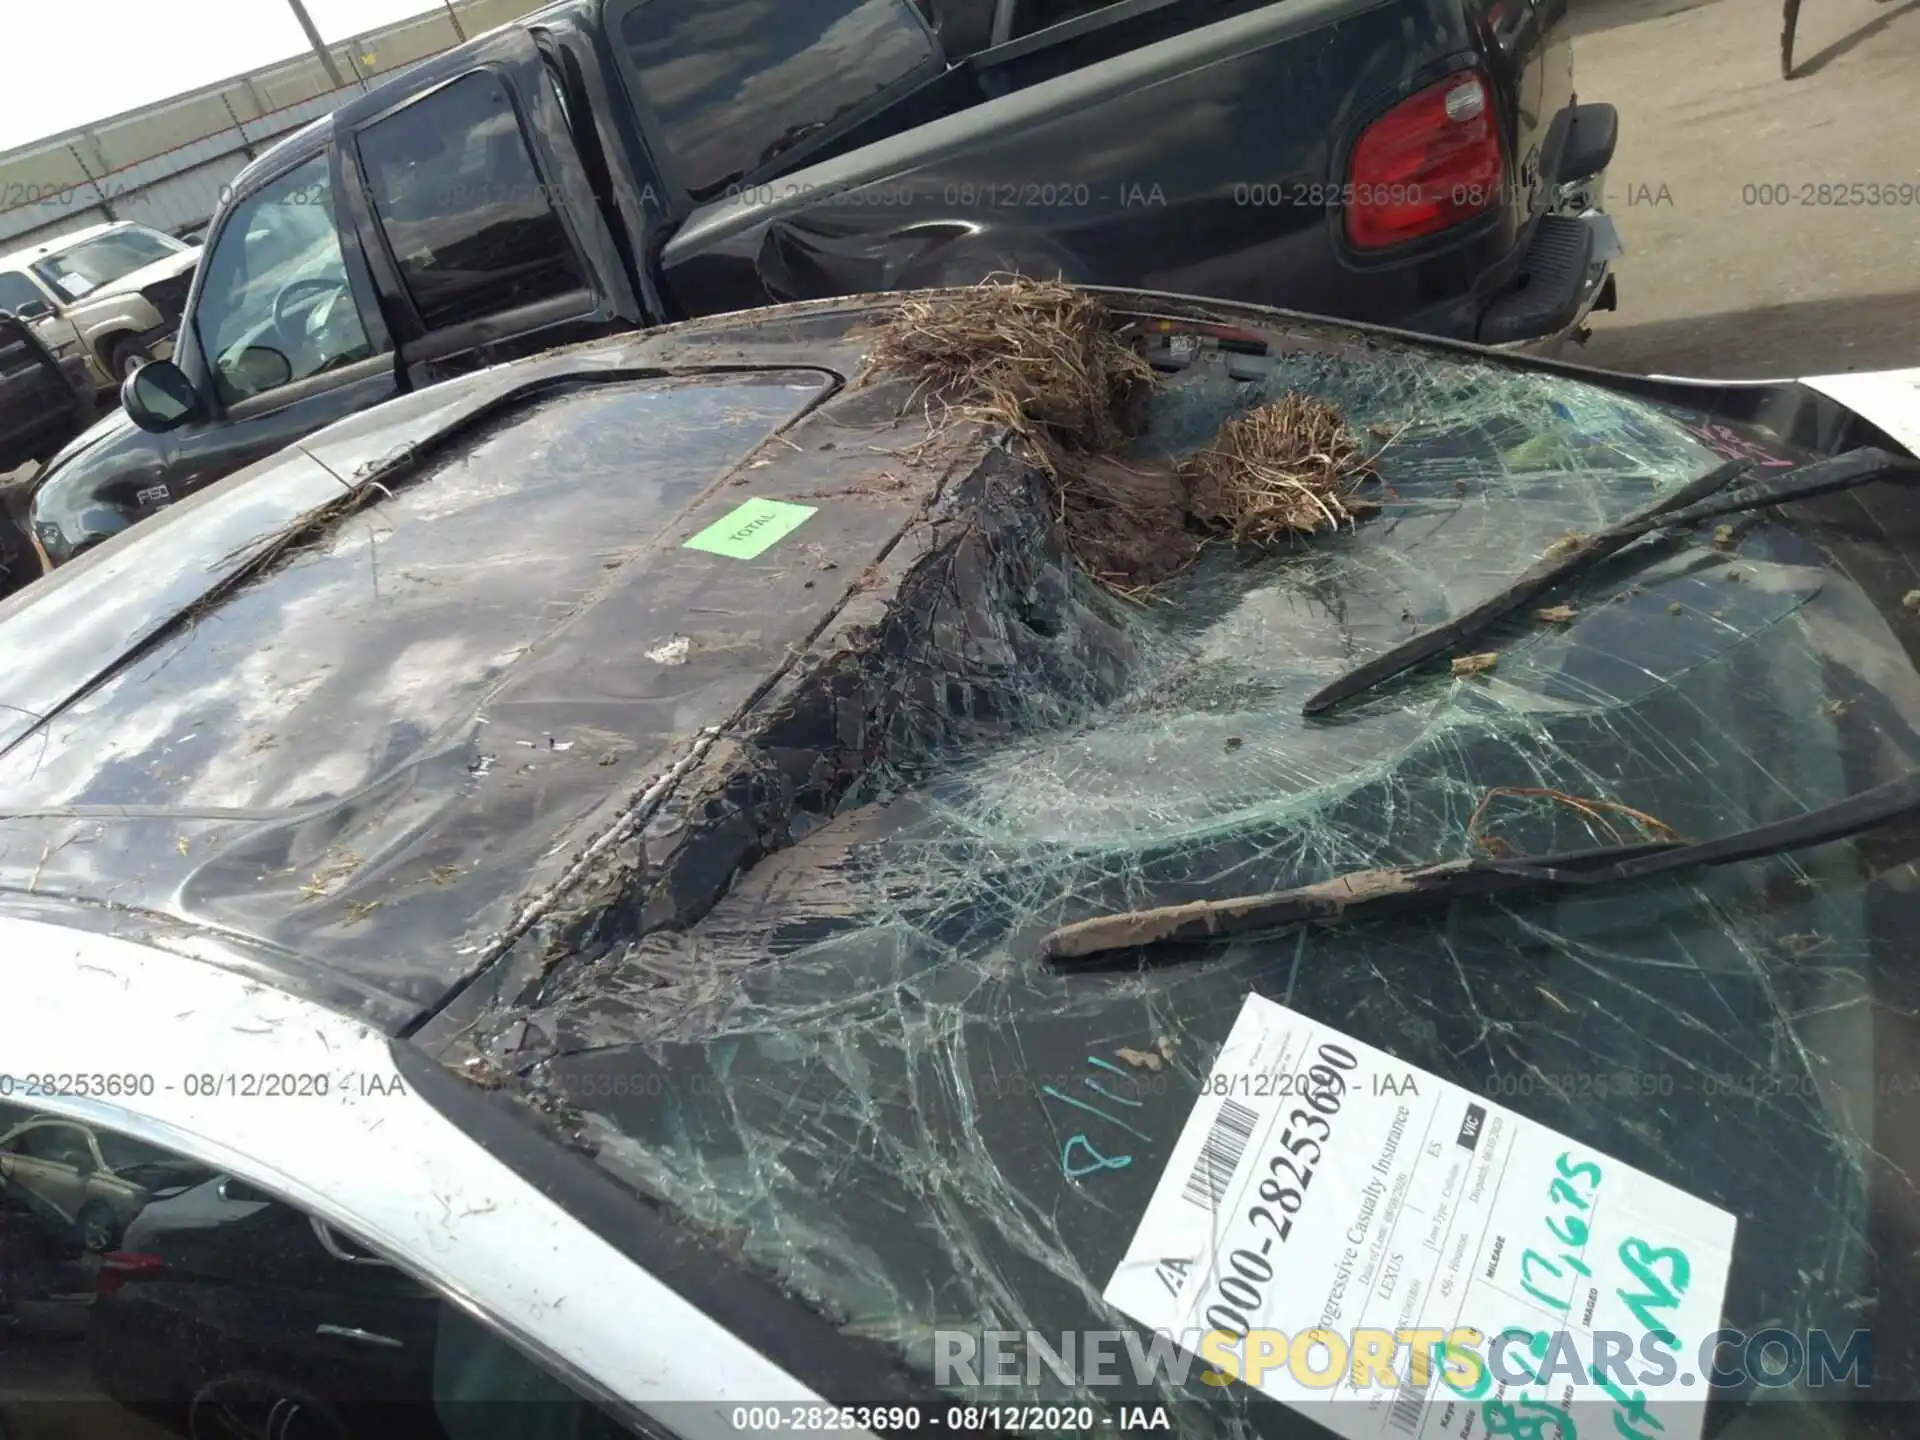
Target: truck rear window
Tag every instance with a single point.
(736, 82)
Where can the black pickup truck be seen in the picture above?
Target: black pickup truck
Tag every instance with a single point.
(607, 164)
(42, 403)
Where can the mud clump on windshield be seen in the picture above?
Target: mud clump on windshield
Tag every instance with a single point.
(1047, 362)
(1126, 523)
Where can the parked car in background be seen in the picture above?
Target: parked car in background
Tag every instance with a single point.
(47, 1277)
(587, 834)
(110, 295)
(605, 164)
(226, 1306)
(94, 1188)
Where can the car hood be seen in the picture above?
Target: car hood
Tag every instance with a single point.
(737, 857)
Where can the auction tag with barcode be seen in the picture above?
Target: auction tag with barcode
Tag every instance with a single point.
(1397, 1257)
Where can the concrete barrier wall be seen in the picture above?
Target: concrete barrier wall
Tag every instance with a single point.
(164, 165)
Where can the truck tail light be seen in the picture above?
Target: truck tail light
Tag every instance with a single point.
(119, 1266)
(1427, 164)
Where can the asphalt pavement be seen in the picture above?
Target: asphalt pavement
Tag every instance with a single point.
(47, 1393)
(1772, 226)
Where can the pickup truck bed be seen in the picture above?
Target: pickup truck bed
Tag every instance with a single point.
(602, 165)
(1208, 162)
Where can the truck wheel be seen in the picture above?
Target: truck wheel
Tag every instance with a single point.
(98, 1226)
(251, 1406)
(127, 356)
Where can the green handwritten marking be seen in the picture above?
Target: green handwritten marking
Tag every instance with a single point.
(1572, 1231)
(1447, 1357)
(751, 529)
(1629, 1409)
(1527, 1420)
(1566, 1195)
(1662, 1292)
(1570, 1170)
(1534, 1257)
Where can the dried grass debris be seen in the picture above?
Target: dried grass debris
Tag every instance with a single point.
(1039, 357)
(1287, 468)
(1047, 363)
(1591, 809)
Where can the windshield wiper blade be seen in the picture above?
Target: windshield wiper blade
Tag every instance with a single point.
(1689, 505)
(1092, 944)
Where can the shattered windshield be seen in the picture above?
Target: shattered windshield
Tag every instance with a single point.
(849, 1061)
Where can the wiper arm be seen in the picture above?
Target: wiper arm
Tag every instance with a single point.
(1688, 505)
(1366, 894)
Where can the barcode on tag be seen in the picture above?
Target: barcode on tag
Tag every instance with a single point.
(1410, 1405)
(1221, 1155)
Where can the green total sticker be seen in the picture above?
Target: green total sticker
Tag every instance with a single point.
(751, 529)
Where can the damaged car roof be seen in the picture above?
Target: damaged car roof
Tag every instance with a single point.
(676, 713)
(340, 717)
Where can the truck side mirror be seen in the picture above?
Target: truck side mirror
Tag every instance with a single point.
(32, 309)
(159, 397)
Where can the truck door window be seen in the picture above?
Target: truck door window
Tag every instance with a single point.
(736, 82)
(276, 304)
(464, 211)
(17, 290)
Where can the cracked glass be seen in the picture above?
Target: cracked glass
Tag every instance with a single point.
(847, 1061)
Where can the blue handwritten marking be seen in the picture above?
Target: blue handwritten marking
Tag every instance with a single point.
(1068, 1167)
(1100, 1162)
(1093, 1110)
(1098, 1088)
